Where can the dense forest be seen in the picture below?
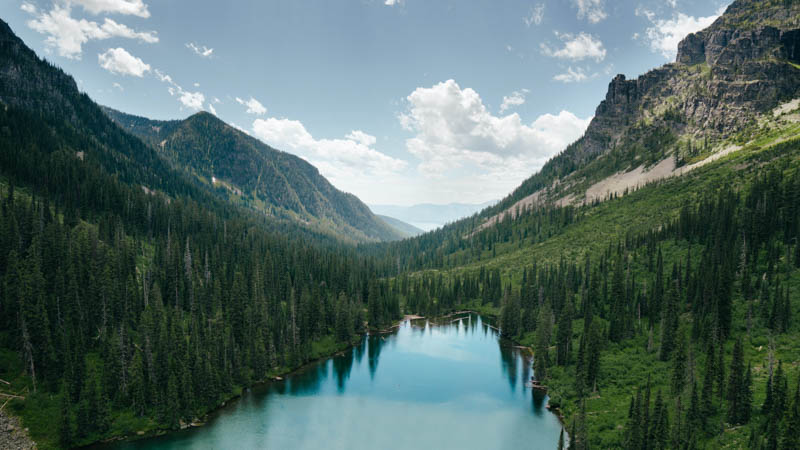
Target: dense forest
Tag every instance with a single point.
(686, 297)
(119, 299)
(248, 172)
(131, 298)
(136, 297)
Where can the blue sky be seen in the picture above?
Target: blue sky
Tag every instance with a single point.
(398, 101)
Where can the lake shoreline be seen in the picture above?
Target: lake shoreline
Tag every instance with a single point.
(201, 421)
(555, 410)
(280, 375)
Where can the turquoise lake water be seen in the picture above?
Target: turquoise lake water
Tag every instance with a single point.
(426, 386)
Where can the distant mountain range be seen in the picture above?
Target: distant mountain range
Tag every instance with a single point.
(246, 171)
(429, 216)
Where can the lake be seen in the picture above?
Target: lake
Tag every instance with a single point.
(451, 386)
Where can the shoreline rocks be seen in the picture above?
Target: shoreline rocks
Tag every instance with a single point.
(12, 435)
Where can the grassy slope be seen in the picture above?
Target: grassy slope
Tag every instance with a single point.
(639, 211)
(627, 365)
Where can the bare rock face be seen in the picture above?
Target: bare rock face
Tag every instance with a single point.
(692, 50)
(742, 65)
(734, 47)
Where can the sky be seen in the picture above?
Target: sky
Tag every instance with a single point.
(396, 101)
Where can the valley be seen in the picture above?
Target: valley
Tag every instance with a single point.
(185, 284)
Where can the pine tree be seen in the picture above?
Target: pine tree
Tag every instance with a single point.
(735, 384)
(659, 425)
(669, 323)
(541, 350)
(65, 432)
(679, 366)
(564, 334)
(791, 431)
(706, 399)
(594, 349)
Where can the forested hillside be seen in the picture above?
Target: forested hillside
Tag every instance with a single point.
(135, 296)
(246, 171)
(661, 315)
(131, 299)
(681, 336)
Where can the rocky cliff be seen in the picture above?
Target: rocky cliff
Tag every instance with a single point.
(744, 64)
(724, 79)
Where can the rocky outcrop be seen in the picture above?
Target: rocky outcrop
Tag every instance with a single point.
(724, 79)
(735, 47)
(12, 435)
(724, 76)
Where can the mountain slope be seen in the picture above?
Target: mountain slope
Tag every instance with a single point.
(406, 229)
(725, 81)
(670, 122)
(654, 266)
(655, 276)
(249, 172)
(133, 300)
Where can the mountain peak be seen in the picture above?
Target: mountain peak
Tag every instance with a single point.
(270, 181)
(746, 32)
(725, 79)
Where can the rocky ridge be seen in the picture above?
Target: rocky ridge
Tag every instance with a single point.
(725, 79)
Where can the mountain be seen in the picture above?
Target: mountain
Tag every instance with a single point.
(406, 229)
(133, 298)
(725, 81)
(428, 215)
(247, 171)
(653, 267)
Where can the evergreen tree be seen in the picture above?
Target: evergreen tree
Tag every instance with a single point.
(791, 428)
(679, 367)
(65, 431)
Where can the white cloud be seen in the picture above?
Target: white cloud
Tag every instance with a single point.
(28, 8)
(362, 138)
(164, 77)
(67, 34)
(211, 109)
(535, 15)
(454, 132)
(351, 164)
(191, 100)
(125, 7)
(577, 47)
(393, 2)
(592, 10)
(120, 62)
(515, 99)
(572, 76)
(253, 106)
(203, 51)
(118, 86)
(665, 34)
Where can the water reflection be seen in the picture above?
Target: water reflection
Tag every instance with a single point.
(439, 387)
(342, 365)
(374, 352)
(509, 362)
